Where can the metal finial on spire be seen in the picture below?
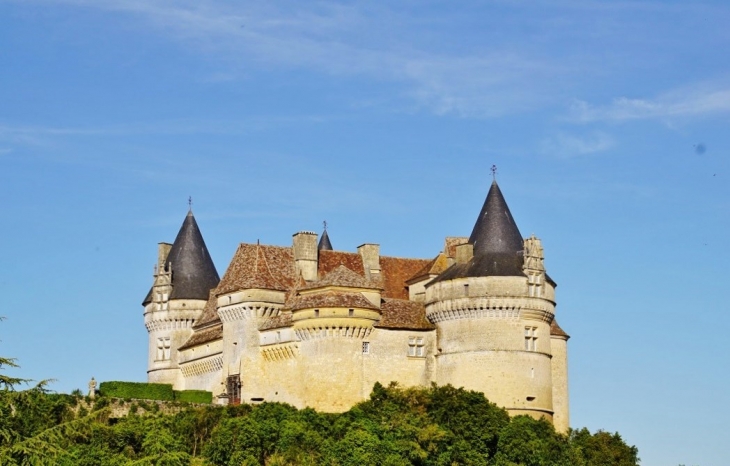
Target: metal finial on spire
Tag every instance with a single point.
(190, 203)
(325, 225)
(494, 172)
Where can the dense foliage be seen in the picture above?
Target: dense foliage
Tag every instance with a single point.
(138, 390)
(193, 396)
(428, 426)
(152, 391)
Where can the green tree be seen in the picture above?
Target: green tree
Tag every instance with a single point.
(603, 448)
(7, 382)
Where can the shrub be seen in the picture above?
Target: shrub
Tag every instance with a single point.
(138, 390)
(194, 396)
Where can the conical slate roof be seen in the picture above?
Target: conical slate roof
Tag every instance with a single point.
(193, 272)
(497, 242)
(324, 242)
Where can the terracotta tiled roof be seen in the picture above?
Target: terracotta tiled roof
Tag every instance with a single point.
(403, 314)
(282, 320)
(342, 276)
(332, 299)
(206, 335)
(259, 266)
(556, 330)
(435, 267)
(210, 311)
(330, 260)
(395, 271)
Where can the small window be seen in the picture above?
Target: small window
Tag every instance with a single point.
(530, 338)
(466, 290)
(316, 313)
(278, 336)
(365, 347)
(415, 347)
(163, 348)
(351, 312)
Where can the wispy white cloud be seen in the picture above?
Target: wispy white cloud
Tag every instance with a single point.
(34, 135)
(682, 103)
(438, 68)
(567, 145)
(353, 40)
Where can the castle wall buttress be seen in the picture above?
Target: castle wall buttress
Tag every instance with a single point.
(241, 314)
(561, 418)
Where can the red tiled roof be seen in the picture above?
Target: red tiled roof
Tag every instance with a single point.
(282, 320)
(342, 276)
(556, 330)
(259, 266)
(210, 311)
(332, 299)
(434, 267)
(395, 271)
(403, 314)
(330, 260)
(206, 335)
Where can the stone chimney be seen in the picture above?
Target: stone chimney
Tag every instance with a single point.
(370, 254)
(464, 253)
(163, 250)
(305, 254)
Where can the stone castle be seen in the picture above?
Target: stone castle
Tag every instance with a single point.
(311, 326)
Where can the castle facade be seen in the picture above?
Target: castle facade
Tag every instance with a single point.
(311, 326)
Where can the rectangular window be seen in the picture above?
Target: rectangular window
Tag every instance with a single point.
(163, 348)
(316, 313)
(534, 285)
(351, 312)
(530, 338)
(365, 347)
(415, 347)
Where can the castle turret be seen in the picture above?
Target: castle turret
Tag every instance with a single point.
(183, 277)
(324, 241)
(493, 309)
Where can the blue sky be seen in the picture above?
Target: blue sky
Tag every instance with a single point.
(608, 122)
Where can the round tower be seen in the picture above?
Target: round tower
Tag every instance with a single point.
(493, 309)
(183, 277)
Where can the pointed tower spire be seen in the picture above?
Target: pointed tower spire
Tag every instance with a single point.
(497, 241)
(324, 241)
(193, 271)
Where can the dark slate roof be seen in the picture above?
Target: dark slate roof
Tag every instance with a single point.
(193, 272)
(497, 243)
(324, 242)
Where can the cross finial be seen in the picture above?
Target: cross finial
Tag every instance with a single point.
(494, 172)
(325, 225)
(190, 203)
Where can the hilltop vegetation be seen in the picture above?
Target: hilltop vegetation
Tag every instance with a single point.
(425, 426)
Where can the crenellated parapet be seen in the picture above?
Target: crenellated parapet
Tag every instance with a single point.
(490, 308)
(322, 331)
(248, 311)
(156, 325)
